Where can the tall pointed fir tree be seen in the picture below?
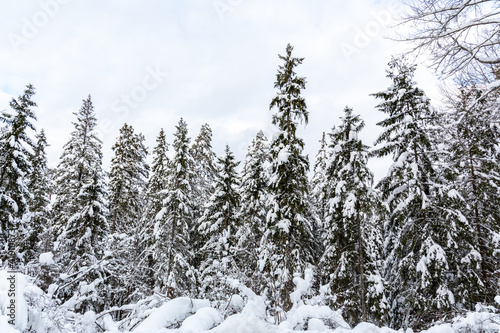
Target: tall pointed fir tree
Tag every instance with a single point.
(160, 169)
(204, 166)
(82, 247)
(318, 182)
(127, 181)
(80, 214)
(289, 244)
(172, 250)
(319, 193)
(203, 181)
(350, 264)
(418, 243)
(15, 151)
(218, 226)
(80, 155)
(84, 233)
(473, 163)
(156, 183)
(254, 205)
(127, 185)
(39, 237)
(39, 182)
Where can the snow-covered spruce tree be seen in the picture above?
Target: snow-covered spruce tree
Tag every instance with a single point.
(158, 179)
(127, 181)
(474, 170)
(350, 264)
(172, 248)
(318, 182)
(418, 243)
(218, 226)
(81, 154)
(156, 183)
(254, 205)
(82, 247)
(39, 238)
(41, 235)
(80, 214)
(289, 244)
(85, 231)
(203, 181)
(39, 183)
(204, 166)
(15, 150)
(204, 158)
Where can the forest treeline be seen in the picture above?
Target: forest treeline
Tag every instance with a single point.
(419, 246)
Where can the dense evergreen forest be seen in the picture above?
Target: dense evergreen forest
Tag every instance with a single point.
(420, 246)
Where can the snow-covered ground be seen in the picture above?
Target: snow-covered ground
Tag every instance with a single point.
(244, 313)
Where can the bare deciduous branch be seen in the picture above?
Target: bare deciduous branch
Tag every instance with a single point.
(461, 36)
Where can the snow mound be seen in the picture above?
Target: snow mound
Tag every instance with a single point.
(46, 258)
(10, 281)
(316, 324)
(245, 324)
(38, 312)
(171, 314)
(478, 321)
(203, 320)
(5, 327)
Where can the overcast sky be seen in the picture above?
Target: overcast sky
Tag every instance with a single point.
(148, 63)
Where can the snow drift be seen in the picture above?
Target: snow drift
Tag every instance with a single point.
(37, 312)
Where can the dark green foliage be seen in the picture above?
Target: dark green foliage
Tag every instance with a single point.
(204, 167)
(127, 184)
(172, 251)
(160, 170)
(84, 233)
(15, 165)
(254, 206)
(473, 170)
(218, 226)
(290, 246)
(418, 246)
(39, 183)
(319, 180)
(82, 247)
(159, 176)
(80, 191)
(203, 181)
(81, 156)
(81, 215)
(38, 238)
(350, 263)
(127, 181)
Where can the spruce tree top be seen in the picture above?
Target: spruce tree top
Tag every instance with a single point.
(350, 154)
(17, 123)
(38, 180)
(160, 163)
(15, 149)
(23, 107)
(291, 105)
(408, 111)
(202, 146)
(86, 119)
